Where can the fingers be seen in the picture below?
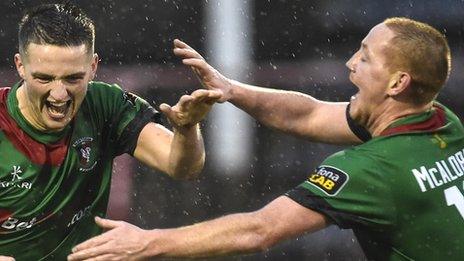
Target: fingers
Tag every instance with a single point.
(91, 243)
(207, 96)
(107, 223)
(190, 109)
(197, 97)
(101, 239)
(186, 53)
(195, 62)
(166, 110)
(180, 44)
(184, 102)
(88, 253)
(181, 49)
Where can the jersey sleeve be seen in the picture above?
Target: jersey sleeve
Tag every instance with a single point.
(357, 129)
(125, 114)
(348, 189)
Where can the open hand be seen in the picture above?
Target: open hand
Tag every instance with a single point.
(209, 77)
(122, 241)
(191, 109)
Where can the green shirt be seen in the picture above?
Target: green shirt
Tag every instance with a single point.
(53, 184)
(401, 192)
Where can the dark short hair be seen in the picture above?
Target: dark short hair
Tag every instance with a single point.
(422, 51)
(56, 24)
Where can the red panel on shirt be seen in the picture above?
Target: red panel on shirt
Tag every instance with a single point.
(435, 122)
(38, 153)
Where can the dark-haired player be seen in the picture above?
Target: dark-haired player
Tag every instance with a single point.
(60, 131)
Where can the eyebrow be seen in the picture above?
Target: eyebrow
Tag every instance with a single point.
(75, 75)
(44, 75)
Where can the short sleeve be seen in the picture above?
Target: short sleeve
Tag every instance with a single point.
(124, 115)
(135, 114)
(348, 190)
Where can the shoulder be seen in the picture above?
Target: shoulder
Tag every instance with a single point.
(370, 159)
(450, 115)
(113, 94)
(105, 94)
(353, 166)
(102, 88)
(356, 157)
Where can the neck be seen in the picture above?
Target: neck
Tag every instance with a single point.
(390, 112)
(24, 107)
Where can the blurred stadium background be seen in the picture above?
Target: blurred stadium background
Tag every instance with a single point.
(295, 45)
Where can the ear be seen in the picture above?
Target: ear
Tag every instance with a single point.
(94, 65)
(19, 66)
(399, 82)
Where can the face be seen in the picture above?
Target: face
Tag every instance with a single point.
(55, 83)
(369, 72)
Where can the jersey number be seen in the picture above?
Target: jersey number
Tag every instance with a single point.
(454, 197)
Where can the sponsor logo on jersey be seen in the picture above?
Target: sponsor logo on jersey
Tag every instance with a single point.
(10, 224)
(328, 179)
(14, 224)
(85, 151)
(81, 213)
(16, 180)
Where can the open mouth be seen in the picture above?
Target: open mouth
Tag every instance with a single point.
(58, 110)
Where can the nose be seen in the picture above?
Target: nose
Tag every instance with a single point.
(59, 92)
(351, 63)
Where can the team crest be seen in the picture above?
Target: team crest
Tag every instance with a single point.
(86, 153)
(328, 179)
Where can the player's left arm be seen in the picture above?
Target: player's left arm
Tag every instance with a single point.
(236, 233)
(179, 153)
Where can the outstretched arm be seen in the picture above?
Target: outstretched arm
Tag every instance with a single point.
(236, 233)
(180, 153)
(292, 112)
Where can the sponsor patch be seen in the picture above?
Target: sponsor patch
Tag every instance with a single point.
(328, 179)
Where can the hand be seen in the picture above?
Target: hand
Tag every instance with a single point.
(191, 109)
(122, 241)
(209, 77)
(6, 258)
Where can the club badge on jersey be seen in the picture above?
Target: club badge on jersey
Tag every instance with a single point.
(328, 179)
(86, 153)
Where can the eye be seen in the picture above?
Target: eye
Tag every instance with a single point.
(73, 80)
(44, 79)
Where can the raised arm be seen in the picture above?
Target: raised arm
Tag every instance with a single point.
(291, 112)
(236, 233)
(180, 153)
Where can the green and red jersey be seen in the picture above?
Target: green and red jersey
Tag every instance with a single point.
(53, 184)
(402, 192)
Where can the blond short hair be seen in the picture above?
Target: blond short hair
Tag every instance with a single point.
(423, 52)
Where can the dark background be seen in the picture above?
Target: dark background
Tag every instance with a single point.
(297, 45)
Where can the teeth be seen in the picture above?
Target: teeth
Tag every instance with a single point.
(57, 110)
(58, 104)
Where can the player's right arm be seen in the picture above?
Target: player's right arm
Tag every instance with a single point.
(291, 112)
(6, 258)
(281, 219)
